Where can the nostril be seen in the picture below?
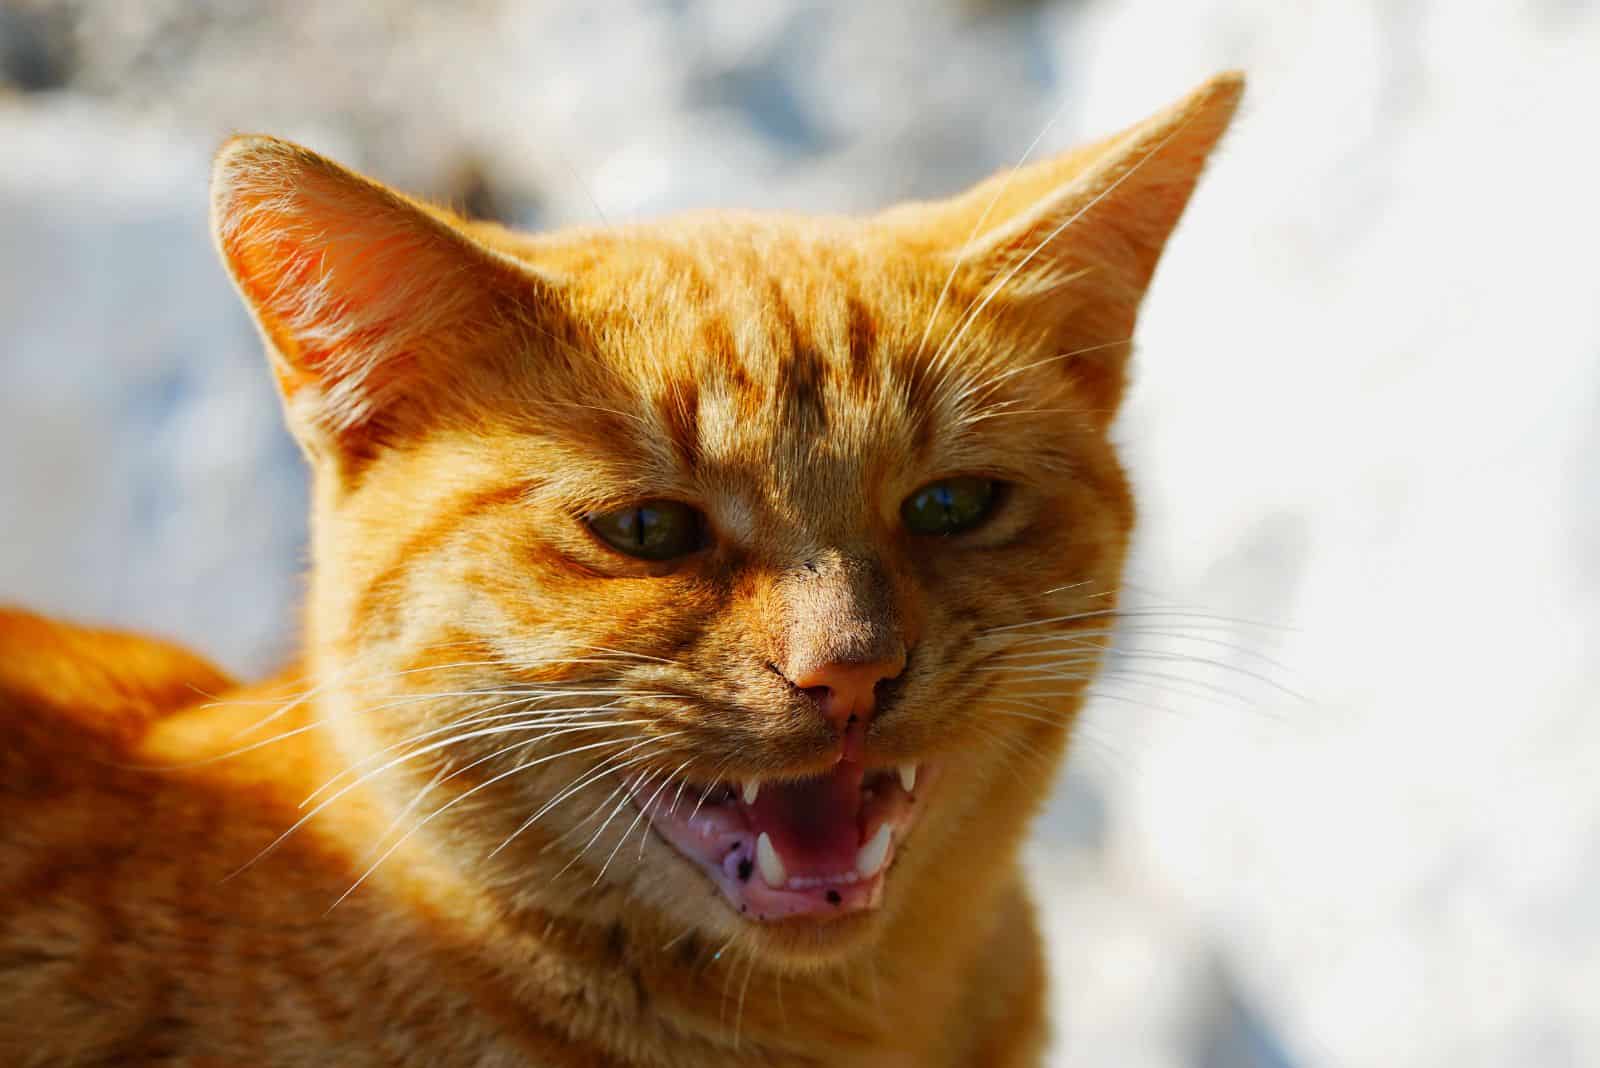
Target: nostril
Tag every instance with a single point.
(844, 691)
(819, 694)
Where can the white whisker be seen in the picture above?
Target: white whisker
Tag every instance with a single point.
(456, 801)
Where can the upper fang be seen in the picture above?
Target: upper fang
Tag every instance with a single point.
(908, 777)
(751, 790)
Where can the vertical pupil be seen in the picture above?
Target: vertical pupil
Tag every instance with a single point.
(949, 507)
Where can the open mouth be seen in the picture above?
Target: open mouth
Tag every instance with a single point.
(780, 849)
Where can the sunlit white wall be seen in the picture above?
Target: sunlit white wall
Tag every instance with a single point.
(1363, 430)
(1366, 411)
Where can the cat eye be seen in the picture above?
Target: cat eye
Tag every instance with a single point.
(651, 530)
(949, 506)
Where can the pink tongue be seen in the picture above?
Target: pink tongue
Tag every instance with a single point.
(814, 823)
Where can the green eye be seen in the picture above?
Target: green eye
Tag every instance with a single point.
(949, 506)
(651, 530)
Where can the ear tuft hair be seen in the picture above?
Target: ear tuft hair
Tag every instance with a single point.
(357, 289)
(1067, 247)
(1107, 210)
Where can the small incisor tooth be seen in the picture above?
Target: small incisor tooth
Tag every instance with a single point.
(752, 790)
(771, 865)
(908, 777)
(871, 856)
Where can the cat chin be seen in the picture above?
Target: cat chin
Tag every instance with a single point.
(803, 943)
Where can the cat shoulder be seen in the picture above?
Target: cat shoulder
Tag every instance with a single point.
(69, 687)
(74, 703)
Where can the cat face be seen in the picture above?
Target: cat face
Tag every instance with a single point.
(739, 572)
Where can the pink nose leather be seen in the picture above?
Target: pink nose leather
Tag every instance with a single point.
(845, 691)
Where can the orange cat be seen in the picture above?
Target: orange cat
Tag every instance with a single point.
(674, 687)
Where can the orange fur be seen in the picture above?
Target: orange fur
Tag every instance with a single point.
(466, 395)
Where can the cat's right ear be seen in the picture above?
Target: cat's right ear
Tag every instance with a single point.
(373, 307)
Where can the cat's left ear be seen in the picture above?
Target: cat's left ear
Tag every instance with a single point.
(1066, 247)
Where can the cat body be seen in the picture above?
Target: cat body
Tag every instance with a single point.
(697, 618)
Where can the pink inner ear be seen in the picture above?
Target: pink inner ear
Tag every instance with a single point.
(324, 305)
(351, 283)
(1106, 208)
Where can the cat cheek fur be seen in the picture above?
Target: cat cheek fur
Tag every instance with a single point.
(484, 678)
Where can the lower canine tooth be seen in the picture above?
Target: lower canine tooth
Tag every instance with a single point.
(771, 865)
(908, 777)
(874, 853)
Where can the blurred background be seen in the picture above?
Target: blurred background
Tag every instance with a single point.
(1338, 802)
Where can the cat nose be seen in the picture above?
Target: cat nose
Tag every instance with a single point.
(846, 691)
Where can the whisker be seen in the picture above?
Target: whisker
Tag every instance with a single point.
(1116, 661)
(397, 703)
(977, 227)
(623, 800)
(623, 840)
(583, 779)
(995, 380)
(294, 701)
(555, 717)
(629, 652)
(709, 787)
(644, 835)
(1040, 643)
(411, 806)
(1134, 613)
(303, 820)
(744, 988)
(451, 804)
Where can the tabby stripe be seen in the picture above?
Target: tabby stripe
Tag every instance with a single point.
(862, 329)
(445, 522)
(678, 407)
(800, 369)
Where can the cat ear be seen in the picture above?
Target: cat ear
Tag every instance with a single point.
(1069, 245)
(368, 302)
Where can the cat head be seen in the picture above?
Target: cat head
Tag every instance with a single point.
(739, 572)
